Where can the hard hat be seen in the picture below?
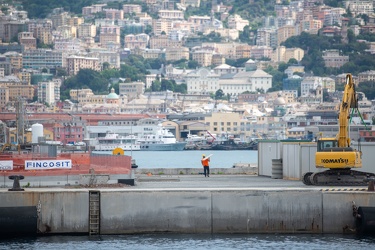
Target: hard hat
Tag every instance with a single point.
(203, 155)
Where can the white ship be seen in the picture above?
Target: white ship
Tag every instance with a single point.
(161, 140)
(113, 140)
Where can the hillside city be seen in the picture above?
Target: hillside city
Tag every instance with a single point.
(117, 63)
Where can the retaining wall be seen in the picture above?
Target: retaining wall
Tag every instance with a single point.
(194, 210)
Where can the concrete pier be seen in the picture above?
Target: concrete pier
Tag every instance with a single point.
(195, 204)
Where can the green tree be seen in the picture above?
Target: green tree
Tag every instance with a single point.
(368, 88)
(181, 88)
(61, 72)
(155, 85)
(193, 64)
(219, 94)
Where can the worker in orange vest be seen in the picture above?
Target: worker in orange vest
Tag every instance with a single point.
(206, 165)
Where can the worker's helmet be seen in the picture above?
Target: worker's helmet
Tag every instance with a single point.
(203, 155)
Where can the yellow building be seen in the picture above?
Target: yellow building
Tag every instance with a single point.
(223, 123)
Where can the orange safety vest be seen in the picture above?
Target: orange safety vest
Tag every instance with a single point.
(205, 162)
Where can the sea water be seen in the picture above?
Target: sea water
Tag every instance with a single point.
(191, 158)
(193, 241)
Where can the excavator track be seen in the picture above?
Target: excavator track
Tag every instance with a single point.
(336, 177)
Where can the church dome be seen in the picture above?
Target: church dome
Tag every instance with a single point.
(112, 95)
(279, 101)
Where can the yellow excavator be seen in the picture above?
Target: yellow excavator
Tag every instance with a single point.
(336, 154)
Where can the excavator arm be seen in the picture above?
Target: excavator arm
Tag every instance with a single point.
(349, 100)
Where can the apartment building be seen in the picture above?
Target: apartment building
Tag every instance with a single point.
(24, 76)
(333, 59)
(86, 30)
(80, 95)
(27, 39)
(150, 53)
(360, 7)
(75, 21)
(329, 84)
(106, 56)
(237, 23)
(176, 53)
(171, 14)
(114, 14)
(243, 51)
(44, 34)
(59, 19)
(15, 60)
(160, 25)
(267, 37)
(132, 89)
(192, 3)
(311, 26)
(202, 57)
(223, 122)
(231, 34)
(283, 33)
(95, 8)
(283, 54)
(136, 41)
(4, 96)
(162, 41)
(11, 29)
(43, 58)
(68, 45)
(75, 63)
(66, 32)
(309, 84)
(367, 76)
(258, 52)
(16, 88)
(131, 8)
(47, 91)
(145, 20)
(109, 34)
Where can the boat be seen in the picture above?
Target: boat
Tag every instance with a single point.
(226, 142)
(112, 141)
(161, 140)
(194, 141)
(232, 144)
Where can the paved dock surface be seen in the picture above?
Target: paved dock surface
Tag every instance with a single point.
(173, 182)
(227, 182)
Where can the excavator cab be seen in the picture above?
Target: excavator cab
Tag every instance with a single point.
(326, 144)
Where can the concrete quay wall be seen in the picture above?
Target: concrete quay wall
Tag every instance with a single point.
(237, 210)
(246, 168)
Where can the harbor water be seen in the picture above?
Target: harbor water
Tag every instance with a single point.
(195, 241)
(190, 158)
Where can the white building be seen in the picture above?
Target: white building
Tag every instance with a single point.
(202, 81)
(310, 83)
(235, 84)
(47, 92)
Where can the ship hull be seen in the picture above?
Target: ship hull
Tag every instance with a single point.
(179, 146)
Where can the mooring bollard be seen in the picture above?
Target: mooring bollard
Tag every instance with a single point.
(371, 181)
(16, 182)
